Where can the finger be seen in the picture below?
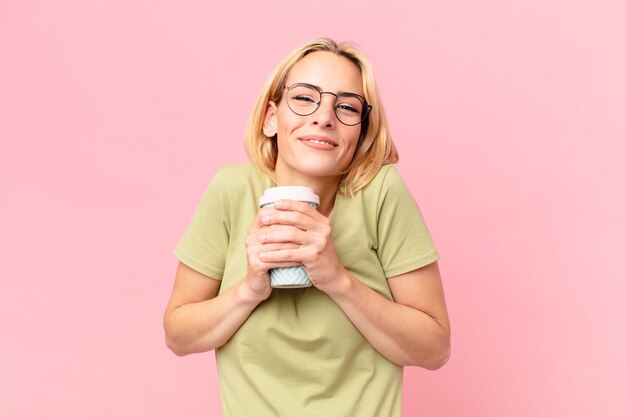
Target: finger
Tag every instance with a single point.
(278, 256)
(273, 265)
(255, 258)
(254, 246)
(257, 223)
(282, 233)
(294, 205)
(293, 218)
(285, 234)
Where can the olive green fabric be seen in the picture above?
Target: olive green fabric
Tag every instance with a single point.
(298, 354)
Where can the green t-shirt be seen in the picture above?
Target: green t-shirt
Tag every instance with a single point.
(298, 354)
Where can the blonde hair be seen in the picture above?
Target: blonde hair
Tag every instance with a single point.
(375, 147)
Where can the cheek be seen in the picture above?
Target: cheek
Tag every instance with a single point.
(354, 139)
(286, 120)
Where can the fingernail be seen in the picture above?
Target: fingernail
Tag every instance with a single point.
(262, 255)
(278, 203)
(265, 218)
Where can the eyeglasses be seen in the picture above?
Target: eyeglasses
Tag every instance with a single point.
(304, 99)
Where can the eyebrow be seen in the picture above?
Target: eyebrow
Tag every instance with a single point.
(338, 92)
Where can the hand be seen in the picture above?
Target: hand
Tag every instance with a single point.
(257, 279)
(310, 234)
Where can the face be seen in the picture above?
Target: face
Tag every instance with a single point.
(317, 145)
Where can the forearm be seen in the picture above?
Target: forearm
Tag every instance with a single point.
(206, 325)
(404, 335)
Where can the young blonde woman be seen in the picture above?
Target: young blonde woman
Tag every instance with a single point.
(336, 348)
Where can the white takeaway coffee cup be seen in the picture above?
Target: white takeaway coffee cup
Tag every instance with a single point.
(295, 276)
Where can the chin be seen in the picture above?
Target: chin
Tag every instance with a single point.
(320, 169)
(313, 166)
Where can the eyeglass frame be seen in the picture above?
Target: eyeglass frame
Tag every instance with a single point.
(366, 106)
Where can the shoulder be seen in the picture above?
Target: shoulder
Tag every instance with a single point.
(240, 175)
(386, 179)
(388, 192)
(378, 193)
(241, 182)
(244, 170)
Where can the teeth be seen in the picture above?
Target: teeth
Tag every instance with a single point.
(319, 141)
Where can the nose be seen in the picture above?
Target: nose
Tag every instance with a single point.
(325, 113)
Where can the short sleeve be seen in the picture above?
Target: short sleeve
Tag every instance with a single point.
(204, 244)
(404, 243)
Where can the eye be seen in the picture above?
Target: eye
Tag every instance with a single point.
(304, 98)
(345, 107)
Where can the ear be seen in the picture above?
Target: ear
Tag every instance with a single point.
(269, 123)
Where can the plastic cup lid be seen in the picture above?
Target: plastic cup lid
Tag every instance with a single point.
(291, 192)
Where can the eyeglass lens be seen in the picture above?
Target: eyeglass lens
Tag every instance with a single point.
(304, 100)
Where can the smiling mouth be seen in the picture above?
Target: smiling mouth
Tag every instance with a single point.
(320, 141)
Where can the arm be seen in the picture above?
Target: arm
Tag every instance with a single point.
(198, 320)
(413, 330)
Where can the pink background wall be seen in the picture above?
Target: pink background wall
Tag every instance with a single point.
(510, 117)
